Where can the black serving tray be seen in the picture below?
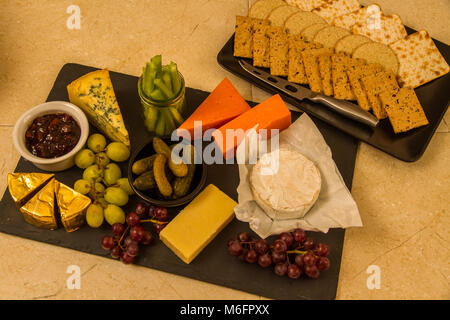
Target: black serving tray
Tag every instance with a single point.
(409, 146)
(213, 264)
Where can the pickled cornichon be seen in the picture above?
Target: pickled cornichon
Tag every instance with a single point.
(182, 185)
(164, 186)
(145, 181)
(143, 165)
(180, 169)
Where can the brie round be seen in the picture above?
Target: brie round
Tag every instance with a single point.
(285, 184)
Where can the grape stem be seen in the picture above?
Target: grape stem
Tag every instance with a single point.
(296, 251)
(121, 238)
(155, 221)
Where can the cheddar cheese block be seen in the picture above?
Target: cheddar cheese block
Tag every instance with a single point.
(270, 114)
(198, 223)
(222, 105)
(94, 94)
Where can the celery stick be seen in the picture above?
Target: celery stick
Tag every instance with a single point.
(167, 80)
(148, 77)
(176, 82)
(170, 123)
(160, 126)
(156, 61)
(156, 94)
(161, 86)
(176, 116)
(151, 118)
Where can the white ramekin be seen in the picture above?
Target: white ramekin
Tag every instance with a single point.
(53, 164)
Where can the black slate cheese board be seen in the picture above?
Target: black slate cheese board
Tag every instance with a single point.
(213, 264)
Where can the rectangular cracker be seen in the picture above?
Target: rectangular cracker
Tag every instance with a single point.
(296, 69)
(404, 109)
(278, 51)
(374, 85)
(339, 78)
(367, 14)
(261, 43)
(324, 61)
(356, 70)
(243, 42)
(385, 30)
(419, 59)
(333, 9)
(310, 61)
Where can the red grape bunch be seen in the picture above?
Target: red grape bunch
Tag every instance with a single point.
(291, 254)
(125, 240)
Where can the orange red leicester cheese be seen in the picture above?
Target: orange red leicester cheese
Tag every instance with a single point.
(222, 105)
(270, 114)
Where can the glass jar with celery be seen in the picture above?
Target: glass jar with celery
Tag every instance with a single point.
(162, 93)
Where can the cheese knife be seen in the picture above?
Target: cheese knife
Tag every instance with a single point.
(347, 109)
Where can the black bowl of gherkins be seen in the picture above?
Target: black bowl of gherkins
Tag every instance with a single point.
(164, 173)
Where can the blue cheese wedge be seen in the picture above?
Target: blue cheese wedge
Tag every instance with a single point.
(94, 94)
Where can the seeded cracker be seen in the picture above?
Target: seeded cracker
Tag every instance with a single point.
(374, 85)
(419, 58)
(341, 84)
(310, 60)
(325, 73)
(278, 53)
(261, 43)
(296, 70)
(404, 109)
(243, 43)
(356, 70)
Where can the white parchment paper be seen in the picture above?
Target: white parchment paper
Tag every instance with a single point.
(335, 207)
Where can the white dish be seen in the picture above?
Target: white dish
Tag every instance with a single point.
(52, 164)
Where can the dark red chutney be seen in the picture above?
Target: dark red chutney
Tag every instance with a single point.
(52, 135)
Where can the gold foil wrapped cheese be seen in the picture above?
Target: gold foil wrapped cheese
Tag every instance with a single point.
(40, 210)
(72, 206)
(22, 185)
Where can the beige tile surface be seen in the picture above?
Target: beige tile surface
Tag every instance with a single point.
(404, 206)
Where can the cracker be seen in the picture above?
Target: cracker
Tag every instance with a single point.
(278, 51)
(310, 61)
(374, 52)
(349, 43)
(419, 58)
(374, 85)
(279, 15)
(324, 61)
(341, 84)
(261, 8)
(386, 30)
(363, 15)
(330, 35)
(300, 20)
(296, 69)
(307, 5)
(355, 71)
(309, 32)
(404, 109)
(243, 42)
(336, 8)
(261, 43)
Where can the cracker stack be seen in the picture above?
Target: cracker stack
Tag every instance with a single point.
(341, 84)
(296, 69)
(311, 63)
(278, 51)
(243, 37)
